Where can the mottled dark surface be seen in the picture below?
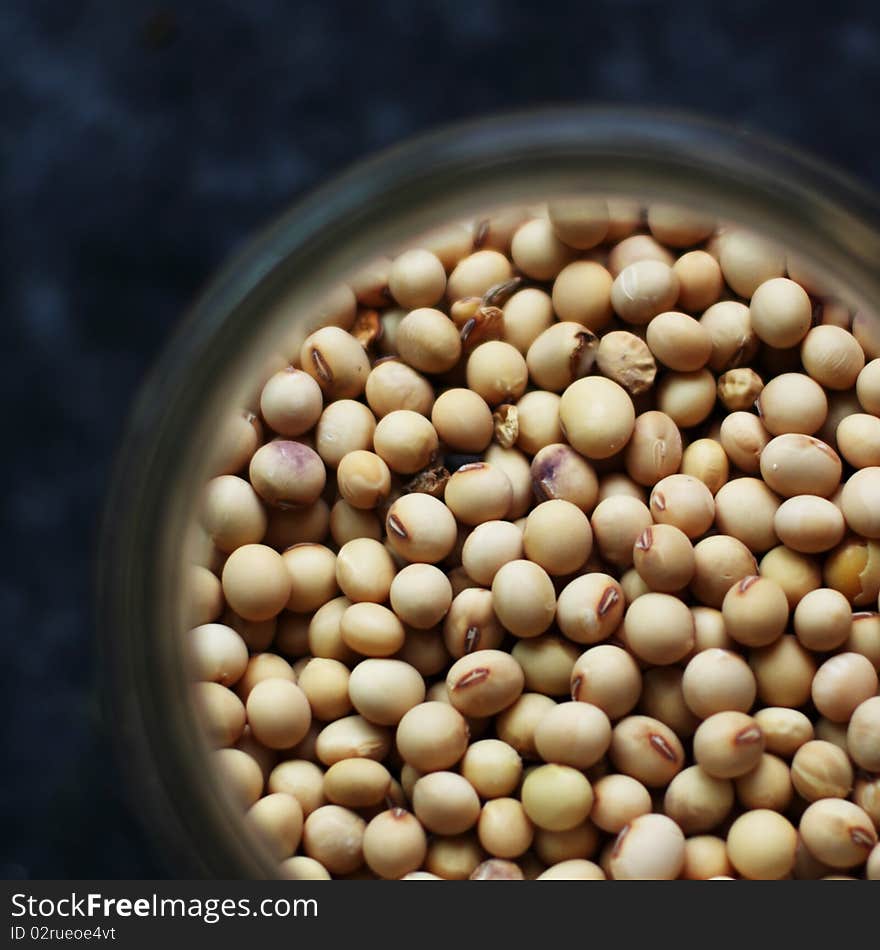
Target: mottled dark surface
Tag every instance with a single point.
(142, 142)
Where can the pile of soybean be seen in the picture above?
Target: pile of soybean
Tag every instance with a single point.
(555, 553)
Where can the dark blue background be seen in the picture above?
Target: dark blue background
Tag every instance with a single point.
(141, 142)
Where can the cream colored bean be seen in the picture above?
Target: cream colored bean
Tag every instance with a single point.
(537, 251)
(278, 713)
(644, 289)
(371, 630)
(325, 634)
(617, 523)
(580, 223)
(573, 733)
(637, 247)
(445, 803)
(747, 261)
(781, 312)
(858, 440)
(678, 227)
(745, 509)
(232, 513)
(475, 274)
(432, 736)
(421, 595)
(654, 450)
(721, 562)
(607, 677)
(516, 725)
(256, 582)
(663, 699)
(216, 653)
(484, 683)
(768, 785)
(739, 388)
(647, 750)
(699, 281)
(684, 502)
(239, 775)
(313, 572)
(556, 797)
(277, 821)
(698, 801)
(863, 734)
(842, 683)
(761, 845)
(345, 426)
(558, 537)
(357, 783)
(524, 598)
(515, 465)
(291, 402)
(650, 848)
(809, 524)
(784, 671)
(590, 608)
(785, 730)
(709, 630)
(336, 361)
(326, 684)
(679, 342)
(393, 385)
(734, 342)
(384, 690)
(263, 666)
(302, 779)
(744, 438)
(792, 402)
(582, 294)
(478, 492)
(860, 502)
(619, 483)
(664, 558)
(659, 629)
(417, 279)
(755, 611)
(716, 680)
(421, 528)
(821, 770)
(497, 372)
(563, 353)
(462, 420)
(838, 833)
(705, 859)
(289, 526)
(504, 829)
(573, 870)
(334, 836)
(823, 620)
(492, 767)
(576, 843)
(488, 547)
(853, 568)
(728, 744)
(428, 340)
(527, 314)
(547, 662)
(687, 398)
(868, 387)
(471, 624)
(832, 356)
(301, 868)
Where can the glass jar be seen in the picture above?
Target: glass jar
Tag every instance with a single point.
(263, 296)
